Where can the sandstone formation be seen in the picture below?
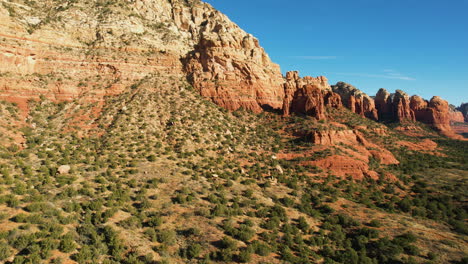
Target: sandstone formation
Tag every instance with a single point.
(355, 161)
(426, 145)
(61, 58)
(229, 66)
(439, 114)
(85, 51)
(357, 101)
(357, 140)
(455, 116)
(383, 104)
(308, 100)
(436, 112)
(308, 95)
(463, 108)
(401, 107)
(394, 107)
(343, 166)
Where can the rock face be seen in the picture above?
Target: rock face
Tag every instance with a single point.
(401, 107)
(394, 107)
(356, 161)
(308, 100)
(88, 52)
(357, 101)
(455, 116)
(176, 39)
(439, 110)
(383, 104)
(463, 108)
(308, 95)
(229, 66)
(436, 112)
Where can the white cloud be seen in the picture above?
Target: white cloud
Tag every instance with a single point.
(387, 74)
(315, 57)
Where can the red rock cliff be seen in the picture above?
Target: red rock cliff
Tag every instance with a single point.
(435, 112)
(229, 66)
(308, 95)
(394, 107)
(91, 52)
(455, 115)
(357, 101)
(463, 108)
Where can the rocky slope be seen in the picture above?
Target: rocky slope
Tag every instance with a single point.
(89, 50)
(156, 173)
(121, 41)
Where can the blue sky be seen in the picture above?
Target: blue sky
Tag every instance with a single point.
(419, 46)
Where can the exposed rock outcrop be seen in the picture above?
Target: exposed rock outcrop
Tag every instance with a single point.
(463, 108)
(436, 112)
(383, 104)
(357, 140)
(229, 66)
(356, 153)
(90, 54)
(357, 101)
(175, 39)
(394, 107)
(439, 113)
(401, 107)
(308, 95)
(64, 169)
(455, 116)
(308, 100)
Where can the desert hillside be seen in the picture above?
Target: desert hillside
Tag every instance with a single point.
(158, 131)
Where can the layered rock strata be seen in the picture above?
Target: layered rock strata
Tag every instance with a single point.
(455, 115)
(394, 107)
(355, 100)
(68, 48)
(230, 67)
(434, 112)
(83, 50)
(308, 95)
(463, 108)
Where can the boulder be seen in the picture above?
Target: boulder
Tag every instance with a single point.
(64, 169)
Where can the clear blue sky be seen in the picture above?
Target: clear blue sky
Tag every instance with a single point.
(419, 46)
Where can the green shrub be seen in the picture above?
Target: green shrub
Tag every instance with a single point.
(245, 255)
(5, 251)
(194, 250)
(166, 237)
(375, 223)
(261, 248)
(67, 244)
